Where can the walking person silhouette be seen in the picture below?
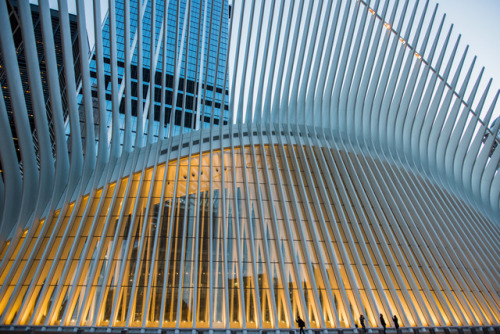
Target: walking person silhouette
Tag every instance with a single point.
(396, 324)
(382, 322)
(362, 322)
(301, 324)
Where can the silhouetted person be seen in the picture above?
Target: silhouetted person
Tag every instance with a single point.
(382, 322)
(362, 322)
(301, 324)
(396, 324)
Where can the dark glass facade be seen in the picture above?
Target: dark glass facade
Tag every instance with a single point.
(200, 87)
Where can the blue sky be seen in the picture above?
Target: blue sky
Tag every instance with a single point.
(479, 23)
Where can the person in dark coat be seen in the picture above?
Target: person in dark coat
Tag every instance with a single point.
(301, 324)
(362, 322)
(396, 324)
(382, 322)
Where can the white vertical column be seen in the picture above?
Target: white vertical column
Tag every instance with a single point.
(152, 73)
(61, 147)
(115, 108)
(90, 151)
(127, 140)
(139, 139)
(11, 176)
(103, 145)
(38, 109)
(28, 158)
(76, 160)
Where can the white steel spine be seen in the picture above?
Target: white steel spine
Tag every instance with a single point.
(41, 125)
(103, 145)
(76, 158)
(20, 115)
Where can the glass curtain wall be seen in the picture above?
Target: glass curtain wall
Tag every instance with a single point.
(242, 238)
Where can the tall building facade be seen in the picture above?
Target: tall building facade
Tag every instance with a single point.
(235, 167)
(23, 70)
(191, 83)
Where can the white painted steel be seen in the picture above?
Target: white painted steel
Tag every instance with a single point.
(354, 172)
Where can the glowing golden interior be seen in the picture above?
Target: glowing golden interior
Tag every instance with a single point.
(236, 242)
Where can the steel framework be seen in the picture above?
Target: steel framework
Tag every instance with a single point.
(355, 175)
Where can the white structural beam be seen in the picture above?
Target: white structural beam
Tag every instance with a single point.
(233, 165)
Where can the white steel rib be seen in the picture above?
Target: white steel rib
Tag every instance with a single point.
(216, 164)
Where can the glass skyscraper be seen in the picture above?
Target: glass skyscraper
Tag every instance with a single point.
(201, 93)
